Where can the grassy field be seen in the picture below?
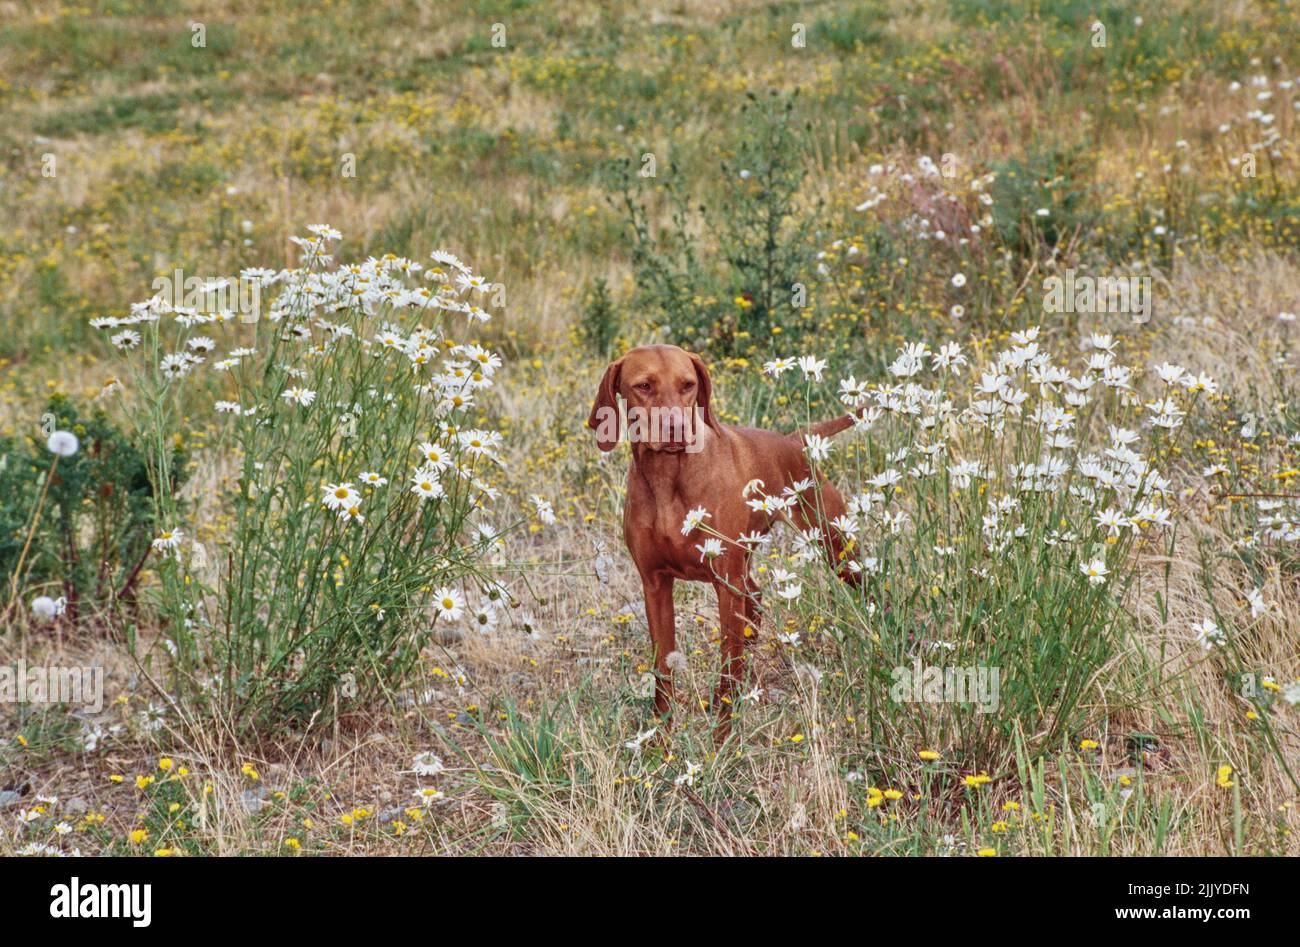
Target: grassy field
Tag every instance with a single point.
(1101, 507)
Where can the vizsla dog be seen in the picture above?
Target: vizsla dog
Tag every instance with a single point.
(679, 466)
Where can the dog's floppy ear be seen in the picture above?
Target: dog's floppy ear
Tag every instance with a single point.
(704, 394)
(604, 418)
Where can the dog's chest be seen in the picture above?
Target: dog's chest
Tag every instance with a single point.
(654, 516)
(659, 517)
(661, 496)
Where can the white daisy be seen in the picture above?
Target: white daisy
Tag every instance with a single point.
(426, 486)
(693, 519)
(340, 496)
(1096, 571)
(426, 764)
(168, 542)
(449, 603)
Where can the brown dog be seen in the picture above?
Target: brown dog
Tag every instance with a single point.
(677, 467)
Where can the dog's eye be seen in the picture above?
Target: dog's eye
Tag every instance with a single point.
(642, 386)
(688, 386)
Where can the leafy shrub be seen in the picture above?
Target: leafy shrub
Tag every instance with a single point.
(851, 30)
(1050, 180)
(96, 519)
(599, 322)
(759, 228)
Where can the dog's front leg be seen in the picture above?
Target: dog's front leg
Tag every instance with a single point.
(658, 590)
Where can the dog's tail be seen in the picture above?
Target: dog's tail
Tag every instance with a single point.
(829, 428)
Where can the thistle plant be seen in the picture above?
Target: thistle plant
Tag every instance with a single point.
(352, 506)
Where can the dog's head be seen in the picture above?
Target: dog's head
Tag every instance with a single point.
(667, 391)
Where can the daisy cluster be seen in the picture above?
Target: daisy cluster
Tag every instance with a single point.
(1018, 427)
(379, 305)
